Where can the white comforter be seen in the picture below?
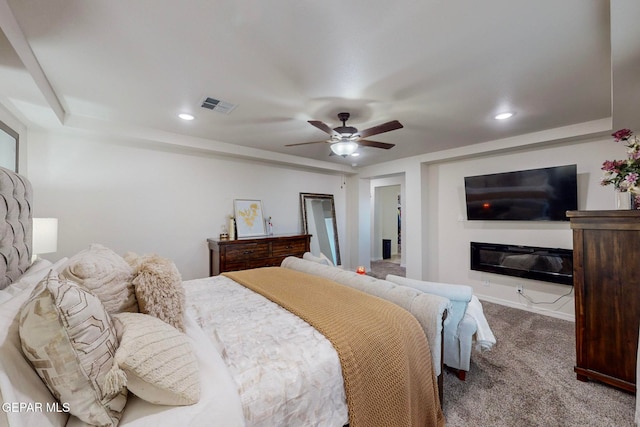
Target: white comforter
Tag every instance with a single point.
(287, 373)
(260, 366)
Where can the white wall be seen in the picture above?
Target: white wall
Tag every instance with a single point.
(144, 197)
(452, 239)
(443, 234)
(359, 226)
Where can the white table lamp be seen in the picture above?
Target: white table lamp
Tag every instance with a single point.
(45, 235)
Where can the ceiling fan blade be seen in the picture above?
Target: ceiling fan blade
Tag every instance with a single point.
(323, 127)
(375, 144)
(385, 127)
(304, 143)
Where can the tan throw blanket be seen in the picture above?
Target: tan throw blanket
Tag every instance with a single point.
(385, 357)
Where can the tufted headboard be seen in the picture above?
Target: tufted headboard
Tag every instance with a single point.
(16, 232)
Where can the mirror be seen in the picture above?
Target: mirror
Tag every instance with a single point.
(8, 148)
(319, 220)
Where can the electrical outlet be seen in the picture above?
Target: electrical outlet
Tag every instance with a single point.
(486, 282)
(520, 289)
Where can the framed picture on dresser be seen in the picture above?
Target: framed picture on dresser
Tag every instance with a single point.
(249, 218)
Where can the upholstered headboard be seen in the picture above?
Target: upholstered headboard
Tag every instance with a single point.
(16, 228)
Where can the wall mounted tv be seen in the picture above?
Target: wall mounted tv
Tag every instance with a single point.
(530, 195)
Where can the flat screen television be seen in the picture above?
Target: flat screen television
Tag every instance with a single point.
(530, 195)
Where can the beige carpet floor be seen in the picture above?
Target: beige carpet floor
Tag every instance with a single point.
(527, 379)
(380, 269)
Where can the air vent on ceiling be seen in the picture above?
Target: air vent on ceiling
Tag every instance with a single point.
(217, 105)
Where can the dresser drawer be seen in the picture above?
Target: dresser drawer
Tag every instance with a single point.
(265, 262)
(234, 266)
(247, 251)
(288, 247)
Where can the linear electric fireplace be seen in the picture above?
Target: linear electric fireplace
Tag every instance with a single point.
(529, 262)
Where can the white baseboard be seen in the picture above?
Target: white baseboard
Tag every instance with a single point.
(550, 313)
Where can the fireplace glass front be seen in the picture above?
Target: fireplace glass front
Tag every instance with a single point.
(529, 262)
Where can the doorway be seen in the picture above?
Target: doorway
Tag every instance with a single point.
(386, 254)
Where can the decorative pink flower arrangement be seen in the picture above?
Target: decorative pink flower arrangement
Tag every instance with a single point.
(624, 175)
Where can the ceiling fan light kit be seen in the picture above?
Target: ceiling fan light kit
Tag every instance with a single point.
(345, 140)
(344, 148)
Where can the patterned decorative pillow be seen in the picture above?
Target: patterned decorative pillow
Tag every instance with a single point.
(19, 382)
(71, 342)
(158, 361)
(158, 287)
(106, 274)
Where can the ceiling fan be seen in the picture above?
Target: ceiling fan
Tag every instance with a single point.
(345, 140)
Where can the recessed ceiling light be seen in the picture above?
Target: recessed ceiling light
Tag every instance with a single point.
(186, 116)
(503, 116)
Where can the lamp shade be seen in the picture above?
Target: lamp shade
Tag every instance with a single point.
(344, 148)
(45, 235)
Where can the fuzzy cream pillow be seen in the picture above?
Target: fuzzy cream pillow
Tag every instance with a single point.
(154, 361)
(106, 274)
(158, 288)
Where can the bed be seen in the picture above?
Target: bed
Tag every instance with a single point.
(300, 344)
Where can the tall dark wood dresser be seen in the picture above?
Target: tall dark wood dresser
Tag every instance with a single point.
(606, 263)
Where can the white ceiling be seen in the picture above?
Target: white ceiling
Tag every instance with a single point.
(442, 68)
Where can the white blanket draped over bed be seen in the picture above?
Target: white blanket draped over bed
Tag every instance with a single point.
(287, 373)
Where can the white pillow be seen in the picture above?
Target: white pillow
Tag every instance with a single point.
(158, 360)
(326, 260)
(70, 340)
(30, 278)
(19, 382)
(36, 265)
(322, 259)
(106, 274)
